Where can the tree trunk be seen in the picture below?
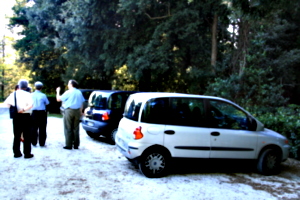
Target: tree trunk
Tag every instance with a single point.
(244, 46)
(240, 53)
(145, 81)
(3, 72)
(214, 48)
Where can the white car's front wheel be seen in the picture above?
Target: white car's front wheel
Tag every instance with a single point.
(269, 162)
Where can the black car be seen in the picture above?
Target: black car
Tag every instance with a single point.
(86, 94)
(105, 110)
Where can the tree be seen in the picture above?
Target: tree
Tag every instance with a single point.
(36, 49)
(166, 45)
(169, 43)
(282, 47)
(252, 78)
(2, 46)
(82, 31)
(10, 72)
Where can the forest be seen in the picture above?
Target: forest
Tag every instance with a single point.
(247, 51)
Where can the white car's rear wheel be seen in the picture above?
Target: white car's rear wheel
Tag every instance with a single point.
(154, 164)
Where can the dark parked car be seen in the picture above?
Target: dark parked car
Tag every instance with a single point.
(86, 94)
(104, 111)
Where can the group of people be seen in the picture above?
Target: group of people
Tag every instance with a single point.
(31, 119)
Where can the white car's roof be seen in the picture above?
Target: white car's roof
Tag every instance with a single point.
(144, 96)
(148, 95)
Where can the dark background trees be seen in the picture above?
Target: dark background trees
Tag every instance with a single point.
(36, 48)
(247, 51)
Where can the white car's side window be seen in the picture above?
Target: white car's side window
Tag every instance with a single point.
(225, 115)
(155, 111)
(132, 110)
(187, 112)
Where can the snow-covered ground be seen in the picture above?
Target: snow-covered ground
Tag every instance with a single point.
(98, 171)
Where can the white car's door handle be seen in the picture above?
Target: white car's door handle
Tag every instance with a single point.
(215, 133)
(170, 132)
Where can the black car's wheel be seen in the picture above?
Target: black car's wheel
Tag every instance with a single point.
(92, 135)
(113, 136)
(154, 163)
(134, 162)
(269, 162)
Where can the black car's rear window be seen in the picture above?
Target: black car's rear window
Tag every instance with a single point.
(98, 100)
(108, 100)
(86, 94)
(117, 101)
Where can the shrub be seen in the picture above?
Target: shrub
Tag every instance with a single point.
(285, 121)
(54, 106)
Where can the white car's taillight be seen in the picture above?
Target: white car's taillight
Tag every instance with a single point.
(138, 133)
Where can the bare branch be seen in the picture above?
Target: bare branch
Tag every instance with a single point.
(161, 17)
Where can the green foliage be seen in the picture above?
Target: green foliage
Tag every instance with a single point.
(168, 41)
(36, 49)
(166, 45)
(255, 87)
(284, 120)
(81, 32)
(55, 115)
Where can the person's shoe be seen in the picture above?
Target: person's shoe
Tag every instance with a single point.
(18, 155)
(75, 147)
(28, 156)
(69, 148)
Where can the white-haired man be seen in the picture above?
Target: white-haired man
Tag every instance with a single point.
(22, 121)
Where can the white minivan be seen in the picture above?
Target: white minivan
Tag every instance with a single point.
(157, 127)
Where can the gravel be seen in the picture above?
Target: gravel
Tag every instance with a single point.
(98, 171)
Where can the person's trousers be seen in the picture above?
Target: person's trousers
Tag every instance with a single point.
(71, 127)
(39, 125)
(22, 124)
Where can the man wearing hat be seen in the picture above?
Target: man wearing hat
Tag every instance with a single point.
(39, 115)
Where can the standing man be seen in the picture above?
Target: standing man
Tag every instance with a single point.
(22, 121)
(73, 101)
(39, 115)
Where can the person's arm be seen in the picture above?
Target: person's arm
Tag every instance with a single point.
(6, 105)
(25, 109)
(58, 94)
(29, 104)
(9, 101)
(81, 109)
(45, 100)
